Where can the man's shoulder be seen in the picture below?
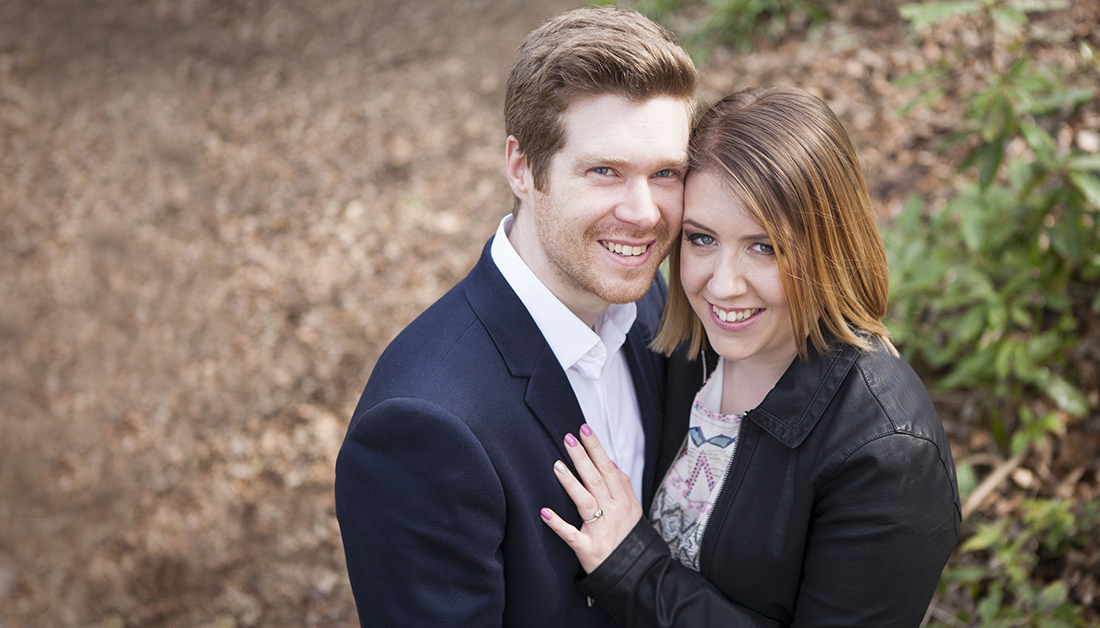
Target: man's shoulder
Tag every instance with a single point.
(429, 339)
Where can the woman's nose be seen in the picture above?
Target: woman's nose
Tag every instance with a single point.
(727, 281)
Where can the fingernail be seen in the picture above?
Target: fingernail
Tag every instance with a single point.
(616, 466)
(546, 514)
(587, 431)
(570, 440)
(559, 466)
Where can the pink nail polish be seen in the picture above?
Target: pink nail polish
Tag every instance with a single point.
(570, 440)
(546, 514)
(587, 431)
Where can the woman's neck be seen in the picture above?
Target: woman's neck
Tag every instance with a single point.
(745, 383)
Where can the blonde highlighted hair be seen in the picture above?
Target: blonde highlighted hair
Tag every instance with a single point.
(787, 158)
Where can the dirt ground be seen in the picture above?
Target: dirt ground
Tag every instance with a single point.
(213, 217)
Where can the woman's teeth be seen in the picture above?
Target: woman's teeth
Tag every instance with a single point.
(626, 251)
(733, 317)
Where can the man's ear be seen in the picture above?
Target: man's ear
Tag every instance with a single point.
(515, 168)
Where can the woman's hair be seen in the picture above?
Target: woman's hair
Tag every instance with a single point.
(582, 53)
(787, 158)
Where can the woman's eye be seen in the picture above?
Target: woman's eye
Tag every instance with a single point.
(701, 239)
(760, 247)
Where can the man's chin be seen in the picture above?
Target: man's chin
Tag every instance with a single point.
(626, 292)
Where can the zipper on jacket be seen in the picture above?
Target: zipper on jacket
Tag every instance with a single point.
(721, 486)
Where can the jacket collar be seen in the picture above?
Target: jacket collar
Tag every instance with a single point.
(791, 410)
(793, 407)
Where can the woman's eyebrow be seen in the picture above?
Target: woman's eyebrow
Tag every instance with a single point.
(697, 225)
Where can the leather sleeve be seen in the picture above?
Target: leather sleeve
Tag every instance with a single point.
(643, 586)
(422, 546)
(883, 527)
(885, 524)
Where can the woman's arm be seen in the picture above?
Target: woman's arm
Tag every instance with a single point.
(883, 526)
(631, 571)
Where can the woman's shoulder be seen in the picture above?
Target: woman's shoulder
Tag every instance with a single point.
(898, 394)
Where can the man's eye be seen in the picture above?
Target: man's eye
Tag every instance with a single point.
(602, 170)
(662, 174)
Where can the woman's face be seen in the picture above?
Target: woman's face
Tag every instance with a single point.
(731, 276)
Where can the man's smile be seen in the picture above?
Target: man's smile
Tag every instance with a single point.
(625, 250)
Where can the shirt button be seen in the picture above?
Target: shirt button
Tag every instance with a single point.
(593, 352)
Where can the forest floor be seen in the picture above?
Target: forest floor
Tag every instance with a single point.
(213, 218)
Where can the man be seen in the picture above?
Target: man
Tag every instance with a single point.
(449, 455)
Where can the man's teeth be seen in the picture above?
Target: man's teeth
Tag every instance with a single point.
(626, 251)
(733, 317)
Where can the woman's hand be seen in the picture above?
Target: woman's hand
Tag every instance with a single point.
(606, 490)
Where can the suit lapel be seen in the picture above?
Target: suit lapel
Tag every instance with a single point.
(646, 387)
(524, 350)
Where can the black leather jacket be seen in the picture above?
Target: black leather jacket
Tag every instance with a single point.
(840, 508)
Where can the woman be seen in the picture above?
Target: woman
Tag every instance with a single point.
(810, 481)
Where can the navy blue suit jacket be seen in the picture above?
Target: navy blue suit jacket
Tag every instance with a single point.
(449, 457)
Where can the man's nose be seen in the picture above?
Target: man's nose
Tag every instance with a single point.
(639, 207)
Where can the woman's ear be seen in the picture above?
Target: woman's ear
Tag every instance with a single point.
(515, 168)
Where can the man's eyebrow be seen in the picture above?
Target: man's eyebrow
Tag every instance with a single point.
(584, 162)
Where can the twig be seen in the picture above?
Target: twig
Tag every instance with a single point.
(990, 483)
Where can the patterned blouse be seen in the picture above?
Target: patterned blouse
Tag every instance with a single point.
(684, 500)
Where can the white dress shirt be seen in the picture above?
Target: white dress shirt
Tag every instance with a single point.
(593, 360)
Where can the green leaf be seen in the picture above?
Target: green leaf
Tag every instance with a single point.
(1066, 396)
(990, 607)
(988, 535)
(1010, 20)
(929, 13)
(1020, 173)
(1002, 361)
(1062, 98)
(971, 221)
(967, 479)
(990, 155)
(971, 325)
(1084, 162)
(1040, 141)
(1087, 185)
(1052, 595)
(1034, 6)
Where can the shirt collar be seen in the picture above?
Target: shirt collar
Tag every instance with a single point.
(573, 342)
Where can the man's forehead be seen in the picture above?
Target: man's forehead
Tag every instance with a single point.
(607, 125)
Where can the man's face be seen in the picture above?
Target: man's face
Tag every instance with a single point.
(612, 204)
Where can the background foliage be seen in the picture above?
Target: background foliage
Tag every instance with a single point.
(215, 214)
(995, 287)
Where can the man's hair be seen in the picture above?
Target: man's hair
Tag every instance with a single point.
(582, 53)
(787, 158)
